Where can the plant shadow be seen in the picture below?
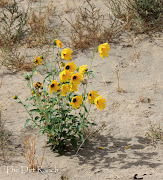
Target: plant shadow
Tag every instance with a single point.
(108, 152)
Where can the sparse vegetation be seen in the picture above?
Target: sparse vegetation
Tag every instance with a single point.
(30, 152)
(154, 133)
(4, 2)
(13, 28)
(87, 29)
(119, 89)
(140, 15)
(38, 21)
(4, 138)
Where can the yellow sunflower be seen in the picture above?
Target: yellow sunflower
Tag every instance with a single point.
(37, 85)
(54, 86)
(70, 67)
(64, 89)
(76, 78)
(76, 101)
(91, 96)
(66, 54)
(102, 49)
(37, 60)
(82, 69)
(73, 87)
(64, 76)
(61, 64)
(100, 103)
(58, 43)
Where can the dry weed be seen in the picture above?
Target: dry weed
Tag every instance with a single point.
(87, 27)
(4, 138)
(144, 15)
(30, 153)
(38, 22)
(119, 89)
(155, 133)
(4, 3)
(13, 29)
(29, 144)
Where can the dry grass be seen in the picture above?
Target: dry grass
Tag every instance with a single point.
(142, 16)
(30, 153)
(29, 144)
(38, 21)
(4, 3)
(20, 28)
(13, 28)
(87, 27)
(155, 133)
(4, 139)
(119, 89)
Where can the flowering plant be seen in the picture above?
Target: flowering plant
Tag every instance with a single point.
(57, 108)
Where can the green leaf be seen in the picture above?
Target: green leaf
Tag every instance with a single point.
(32, 111)
(74, 143)
(52, 132)
(28, 85)
(19, 101)
(85, 108)
(81, 138)
(27, 121)
(37, 117)
(30, 98)
(47, 76)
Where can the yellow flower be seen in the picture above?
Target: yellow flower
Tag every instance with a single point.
(102, 49)
(37, 60)
(58, 43)
(64, 76)
(100, 147)
(82, 69)
(61, 64)
(32, 92)
(66, 54)
(76, 78)
(76, 101)
(64, 89)
(70, 67)
(100, 103)
(15, 97)
(73, 87)
(91, 96)
(37, 85)
(54, 86)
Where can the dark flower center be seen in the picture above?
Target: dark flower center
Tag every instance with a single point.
(52, 85)
(67, 67)
(90, 94)
(74, 100)
(74, 77)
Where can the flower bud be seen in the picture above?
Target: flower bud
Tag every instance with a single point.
(15, 97)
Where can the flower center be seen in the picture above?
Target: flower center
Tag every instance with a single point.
(52, 85)
(67, 67)
(74, 77)
(74, 100)
(90, 94)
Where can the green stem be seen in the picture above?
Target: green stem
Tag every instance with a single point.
(29, 114)
(88, 76)
(52, 59)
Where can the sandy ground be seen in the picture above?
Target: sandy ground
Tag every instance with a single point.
(126, 119)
